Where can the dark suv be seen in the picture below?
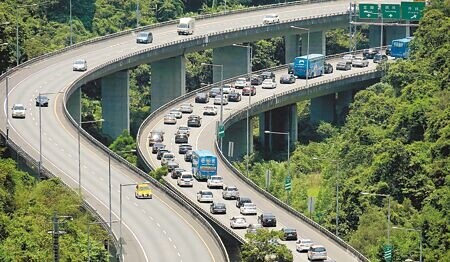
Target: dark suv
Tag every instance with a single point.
(267, 75)
(194, 121)
(267, 220)
(328, 68)
(202, 98)
(215, 91)
(257, 80)
(288, 234)
(183, 148)
(241, 200)
(156, 147)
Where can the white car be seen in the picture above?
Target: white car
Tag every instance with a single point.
(238, 222)
(348, 57)
(166, 157)
(183, 130)
(240, 83)
(269, 83)
(218, 100)
(271, 19)
(303, 244)
(215, 181)
(170, 119)
(205, 196)
(360, 61)
(80, 65)
(176, 112)
(248, 209)
(185, 179)
(317, 252)
(18, 111)
(186, 108)
(227, 89)
(210, 110)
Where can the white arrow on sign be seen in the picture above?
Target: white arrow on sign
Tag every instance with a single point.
(390, 15)
(414, 16)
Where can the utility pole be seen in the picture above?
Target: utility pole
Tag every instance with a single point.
(56, 233)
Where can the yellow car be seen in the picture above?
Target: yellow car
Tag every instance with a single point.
(143, 191)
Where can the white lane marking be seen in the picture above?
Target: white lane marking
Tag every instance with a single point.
(164, 232)
(178, 253)
(158, 224)
(170, 239)
(101, 178)
(144, 211)
(135, 204)
(151, 218)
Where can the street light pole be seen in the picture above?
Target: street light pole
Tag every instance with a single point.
(17, 30)
(7, 103)
(420, 239)
(70, 20)
(389, 211)
(307, 51)
(120, 218)
(137, 13)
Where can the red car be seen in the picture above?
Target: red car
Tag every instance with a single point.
(249, 90)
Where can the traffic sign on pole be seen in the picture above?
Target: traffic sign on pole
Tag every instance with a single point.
(288, 183)
(221, 131)
(390, 11)
(387, 253)
(412, 10)
(368, 11)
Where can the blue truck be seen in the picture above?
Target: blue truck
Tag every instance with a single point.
(204, 164)
(312, 64)
(400, 47)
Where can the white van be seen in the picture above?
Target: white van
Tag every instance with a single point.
(186, 26)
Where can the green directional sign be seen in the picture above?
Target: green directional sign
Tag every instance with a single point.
(288, 183)
(221, 131)
(387, 253)
(412, 10)
(368, 11)
(390, 11)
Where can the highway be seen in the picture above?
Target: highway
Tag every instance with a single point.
(153, 230)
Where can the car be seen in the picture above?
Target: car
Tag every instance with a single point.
(268, 75)
(267, 220)
(171, 165)
(234, 97)
(205, 196)
(303, 244)
(226, 89)
(256, 80)
(215, 182)
(317, 252)
(249, 90)
(155, 137)
(183, 148)
(210, 110)
(328, 68)
(344, 65)
(287, 79)
(240, 83)
(241, 200)
(161, 153)
(214, 92)
(388, 49)
(202, 98)
(181, 139)
(194, 121)
(269, 83)
(176, 173)
(188, 156)
(185, 179)
(230, 192)
(253, 228)
(166, 157)
(369, 53)
(143, 190)
(18, 111)
(248, 209)
(238, 222)
(218, 100)
(217, 208)
(360, 61)
(186, 108)
(170, 119)
(271, 19)
(379, 58)
(79, 65)
(288, 234)
(157, 146)
(348, 57)
(42, 101)
(144, 37)
(182, 129)
(176, 112)
(290, 68)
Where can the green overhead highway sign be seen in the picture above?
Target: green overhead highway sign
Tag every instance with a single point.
(390, 11)
(412, 10)
(368, 11)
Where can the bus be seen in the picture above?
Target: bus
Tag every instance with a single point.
(204, 164)
(314, 63)
(400, 47)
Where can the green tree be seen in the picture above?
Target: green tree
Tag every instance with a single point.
(125, 145)
(264, 246)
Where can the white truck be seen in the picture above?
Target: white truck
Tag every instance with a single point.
(186, 26)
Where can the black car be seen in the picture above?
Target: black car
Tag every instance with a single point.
(218, 208)
(256, 80)
(378, 58)
(202, 98)
(176, 173)
(182, 149)
(291, 68)
(267, 220)
(370, 53)
(328, 68)
(267, 75)
(181, 139)
(157, 146)
(194, 121)
(241, 200)
(42, 101)
(161, 153)
(289, 234)
(234, 97)
(171, 165)
(188, 156)
(287, 79)
(215, 91)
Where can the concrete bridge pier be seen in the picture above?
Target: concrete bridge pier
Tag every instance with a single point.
(291, 47)
(235, 61)
(74, 105)
(316, 43)
(237, 133)
(323, 109)
(282, 119)
(343, 101)
(115, 103)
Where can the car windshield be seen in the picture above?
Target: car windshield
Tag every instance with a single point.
(319, 249)
(167, 156)
(250, 205)
(215, 90)
(201, 95)
(268, 81)
(216, 178)
(240, 220)
(306, 241)
(19, 107)
(232, 189)
(290, 230)
(207, 193)
(220, 205)
(182, 26)
(269, 216)
(271, 16)
(186, 176)
(348, 57)
(144, 187)
(142, 34)
(79, 62)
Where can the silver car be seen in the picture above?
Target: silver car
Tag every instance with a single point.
(205, 196)
(360, 61)
(144, 38)
(170, 119)
(176, 112)
(218, 100)
(18, 111)
(80, 65)
(185, 179)
(317, 252)
(186, 108)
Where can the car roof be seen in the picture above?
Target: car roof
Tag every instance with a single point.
(18, 105)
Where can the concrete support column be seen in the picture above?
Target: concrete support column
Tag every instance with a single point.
(395, 32)
(291, 47)
(237, 134)
(316, 43)
(115, 103)
(168, 80)
(323, 109)
(74, 105)
(374, 36)
(235, 61)
(343, 101)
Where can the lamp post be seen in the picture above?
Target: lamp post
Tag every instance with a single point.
(288, 153)
(421, 238)
(89, 234)
(221, 96)
(249, 103)
(137, 13)
(389, 211)
(70, 20)
(56, 233)
(307, 51)
(17, 30)
(7, 102)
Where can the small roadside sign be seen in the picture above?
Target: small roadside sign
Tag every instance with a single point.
(221, 131)
(387, 253)
(368, 11)
(288, 183)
